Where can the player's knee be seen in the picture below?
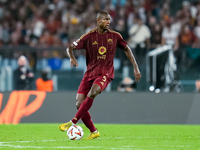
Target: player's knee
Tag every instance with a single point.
(93, 94)
(78, 104)
(95, 90)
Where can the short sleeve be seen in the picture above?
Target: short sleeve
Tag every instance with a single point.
(121, 43)
(80, 43)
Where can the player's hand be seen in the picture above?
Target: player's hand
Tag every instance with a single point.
(137, 74)
(74, 63)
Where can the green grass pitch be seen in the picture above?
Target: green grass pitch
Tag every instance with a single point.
(112, 136)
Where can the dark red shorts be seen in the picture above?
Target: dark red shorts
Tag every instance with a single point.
(86, 85)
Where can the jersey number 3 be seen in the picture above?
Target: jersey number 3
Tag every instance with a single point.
(104, 79)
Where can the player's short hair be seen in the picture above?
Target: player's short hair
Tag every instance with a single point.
(101, 13)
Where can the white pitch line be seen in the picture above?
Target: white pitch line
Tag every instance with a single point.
(9, 144)
(33, 141)
(59, 147)
(52, 140)
(86, 147)
(101, 139)
(40, 147)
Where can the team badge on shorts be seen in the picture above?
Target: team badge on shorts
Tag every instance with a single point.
(102, 50)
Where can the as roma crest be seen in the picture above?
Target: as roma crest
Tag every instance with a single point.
(102, 50)
(110, 41)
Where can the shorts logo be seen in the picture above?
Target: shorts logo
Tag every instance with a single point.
(95, 42)
(102, 83)
(110, 41)
(102, 50)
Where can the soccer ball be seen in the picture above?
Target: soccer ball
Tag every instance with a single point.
(75, 132)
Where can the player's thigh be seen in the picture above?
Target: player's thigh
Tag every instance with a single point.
(100, 83)
(94, 91)
(85, 86)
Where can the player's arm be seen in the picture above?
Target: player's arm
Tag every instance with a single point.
(131, 57)
(70, 54)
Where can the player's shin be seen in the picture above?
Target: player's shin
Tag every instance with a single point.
(88, 122)
(85, 106)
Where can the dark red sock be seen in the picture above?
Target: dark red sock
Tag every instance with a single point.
(85, 106)
(88, 122)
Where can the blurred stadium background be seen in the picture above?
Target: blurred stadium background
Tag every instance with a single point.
(42, 30)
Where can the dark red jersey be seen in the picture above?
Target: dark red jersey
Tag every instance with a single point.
(100, 52)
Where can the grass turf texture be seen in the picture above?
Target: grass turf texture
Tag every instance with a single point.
(112, 136)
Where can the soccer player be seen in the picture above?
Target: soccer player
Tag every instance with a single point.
(100, 45)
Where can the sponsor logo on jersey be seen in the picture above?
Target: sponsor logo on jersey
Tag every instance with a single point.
(102, 50)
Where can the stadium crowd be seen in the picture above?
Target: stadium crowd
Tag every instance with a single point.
(44, 23)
